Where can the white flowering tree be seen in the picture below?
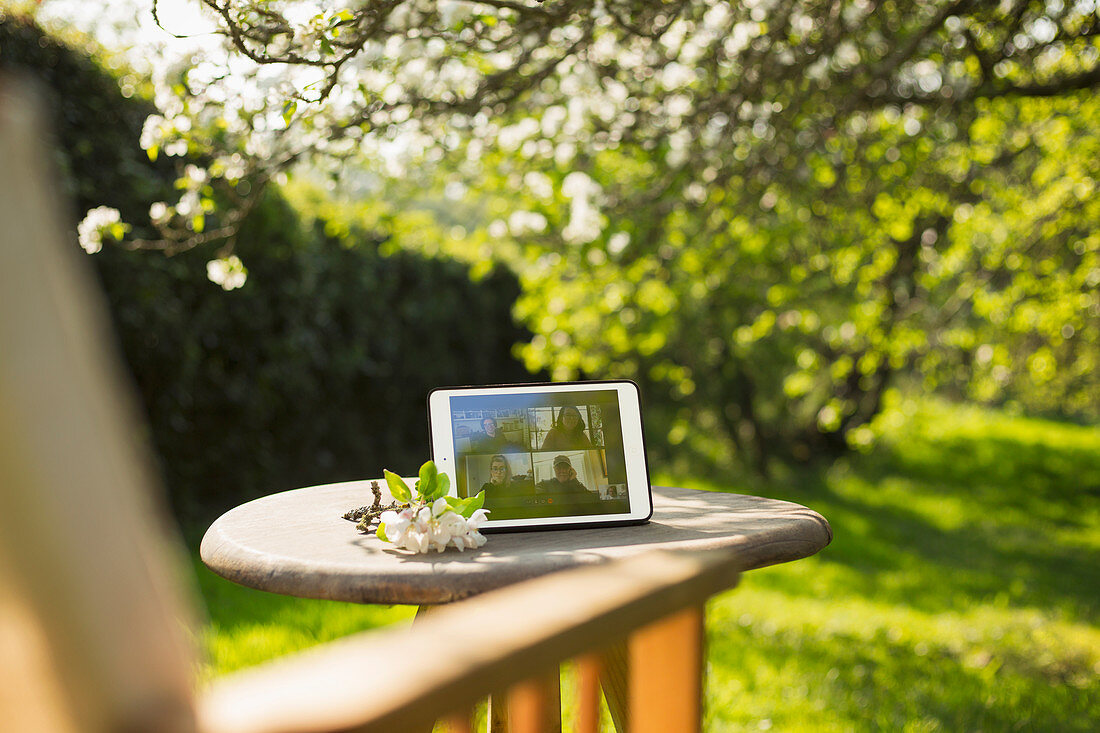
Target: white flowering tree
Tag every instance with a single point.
(767, 210)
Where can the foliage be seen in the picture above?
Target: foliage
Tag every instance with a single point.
(778, 314)
(959, 592)
(766, 212)
(96, 121)
(318, 368)
(786, 232)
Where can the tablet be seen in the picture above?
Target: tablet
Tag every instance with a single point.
(567, 454)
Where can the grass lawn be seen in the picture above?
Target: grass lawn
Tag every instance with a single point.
(961, 591)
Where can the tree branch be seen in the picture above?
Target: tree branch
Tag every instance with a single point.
(1076, 82)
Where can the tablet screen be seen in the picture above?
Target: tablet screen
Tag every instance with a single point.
(541, 455)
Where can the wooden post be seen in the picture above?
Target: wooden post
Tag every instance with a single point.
(534, 706)
(666, 673)
(540, 698)
(443, 663)
(461, 722)
(589, 668)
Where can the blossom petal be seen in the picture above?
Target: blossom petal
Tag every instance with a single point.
(477, 519)
(439, 506)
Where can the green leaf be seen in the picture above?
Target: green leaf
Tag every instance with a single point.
(465, 507)
(381, 533)
(473, 505)
(428, 474)
(289, 109)
(118, 231)
(442, 485)
(398, 488)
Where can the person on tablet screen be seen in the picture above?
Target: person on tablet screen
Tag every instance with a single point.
(501, 481)
(492, 440)
(500, 475)
(567, 432)
(565, 479)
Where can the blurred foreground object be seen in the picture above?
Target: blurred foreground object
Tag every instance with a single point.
(89, 601)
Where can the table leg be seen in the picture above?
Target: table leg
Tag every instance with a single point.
(424, 609)
(615, 680)
(496, 715)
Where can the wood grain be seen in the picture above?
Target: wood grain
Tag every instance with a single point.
(296, 543)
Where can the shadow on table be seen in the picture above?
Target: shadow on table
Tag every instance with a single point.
(682, 519)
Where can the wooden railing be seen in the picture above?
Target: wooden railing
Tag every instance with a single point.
(636, 625)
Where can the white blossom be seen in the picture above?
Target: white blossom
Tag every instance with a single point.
(396, 523)
(539, 184)
(585, 222)
(477, 519)
(189, 203)
(229, 272)
(152, 131)
(417, 541)
(159, 213)
(433, 527)
(90, 231)
(194, 174)
(617, 242)
(176, 148)
(522, 222)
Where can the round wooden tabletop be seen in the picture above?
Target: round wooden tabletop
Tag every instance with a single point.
(297, 543)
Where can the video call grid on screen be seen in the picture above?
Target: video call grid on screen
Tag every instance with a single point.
(541, 455)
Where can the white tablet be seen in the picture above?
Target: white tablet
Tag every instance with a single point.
(567, 454)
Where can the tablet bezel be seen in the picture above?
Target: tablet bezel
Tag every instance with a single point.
(633, 441)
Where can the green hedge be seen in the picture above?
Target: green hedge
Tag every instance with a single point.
(317, 369)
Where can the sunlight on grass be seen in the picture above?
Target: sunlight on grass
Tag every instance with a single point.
(248, 626)
(960, 593)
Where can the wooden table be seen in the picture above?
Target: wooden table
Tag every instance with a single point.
(297, 543)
